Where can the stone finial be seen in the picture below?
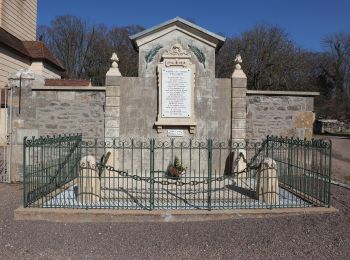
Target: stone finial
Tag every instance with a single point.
(114, 69)
(238, 72)
(238, 62)
(114, 60)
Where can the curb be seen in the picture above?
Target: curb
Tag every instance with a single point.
(340, 184)
(143, 216)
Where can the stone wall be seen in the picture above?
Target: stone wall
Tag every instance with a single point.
(63, 110)
(48, 112)
(282, 115)
(324, 126)
(40, 111)
(138, 108)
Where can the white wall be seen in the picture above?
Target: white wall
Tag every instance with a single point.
(3, 118)
(10, 63)
(45, 70)
(50, 72)
(18, 17)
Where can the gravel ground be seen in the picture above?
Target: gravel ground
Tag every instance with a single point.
(291, 237)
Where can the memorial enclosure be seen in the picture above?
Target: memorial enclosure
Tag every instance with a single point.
(173, 137)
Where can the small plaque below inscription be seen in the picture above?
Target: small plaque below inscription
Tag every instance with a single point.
(175, 133)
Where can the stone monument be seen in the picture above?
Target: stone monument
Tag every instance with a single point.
(176, 92)
(176, 82)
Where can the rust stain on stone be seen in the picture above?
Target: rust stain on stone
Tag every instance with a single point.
(299, 120)
(305, 120)
(308, 119)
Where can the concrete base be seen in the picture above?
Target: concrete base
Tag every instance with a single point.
(140, 216)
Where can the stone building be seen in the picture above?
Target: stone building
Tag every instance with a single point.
(175, 95)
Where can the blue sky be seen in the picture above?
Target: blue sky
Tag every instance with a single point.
(306, 21)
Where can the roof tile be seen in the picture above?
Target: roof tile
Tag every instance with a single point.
(68, 82)
(34, 50)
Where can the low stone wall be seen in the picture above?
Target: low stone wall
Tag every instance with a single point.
(324, 126)
(47, 111)
(40, 111)
(279, 113)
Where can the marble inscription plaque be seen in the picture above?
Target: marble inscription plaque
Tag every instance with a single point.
(176, 92)
(175, 133)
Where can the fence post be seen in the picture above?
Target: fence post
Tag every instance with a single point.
(329, 173)
(267, 146)
(79, 154)
(210, 151)
(25, 202)
(151, 174)
(59, 159)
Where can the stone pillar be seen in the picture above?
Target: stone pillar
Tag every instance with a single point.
(20, 84)
(89, 185)
(238, 102)
(112, 108)
(267, 182)
(239, 112)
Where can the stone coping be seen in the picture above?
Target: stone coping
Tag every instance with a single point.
(249, 92)
(141, 216)
(282, 93)
(68, 88)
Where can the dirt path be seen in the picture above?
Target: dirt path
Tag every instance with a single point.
(341, 158)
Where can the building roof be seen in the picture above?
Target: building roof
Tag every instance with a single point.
(38, 51)
(68, 82)
(180, 24)
(33, 50)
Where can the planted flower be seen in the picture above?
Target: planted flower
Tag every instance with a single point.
(176, 169)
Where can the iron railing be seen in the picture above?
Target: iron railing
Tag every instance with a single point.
(141, 174)
(49, 163)
(304, 167)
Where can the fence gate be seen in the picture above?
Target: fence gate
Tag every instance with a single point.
(5, 133)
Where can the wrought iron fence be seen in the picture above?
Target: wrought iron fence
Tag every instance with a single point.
(304, 167)
(49, 163)
(181, 174)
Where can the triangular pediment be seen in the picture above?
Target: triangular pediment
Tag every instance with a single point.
(179, 24)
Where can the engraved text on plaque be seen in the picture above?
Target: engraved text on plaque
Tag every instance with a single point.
(176, 92)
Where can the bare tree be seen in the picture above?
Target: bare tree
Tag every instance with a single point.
(270, 60)
(70, 39)
(337, 68)
(118, 38)
(84, 50)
